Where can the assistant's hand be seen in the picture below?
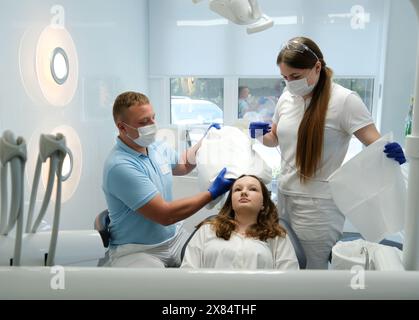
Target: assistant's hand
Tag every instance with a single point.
(220, 185)
(395, 151)
(259, 128)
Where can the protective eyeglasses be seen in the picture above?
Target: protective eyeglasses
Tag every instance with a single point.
(294, 45)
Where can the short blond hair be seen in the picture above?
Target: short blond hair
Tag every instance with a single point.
(126, 100)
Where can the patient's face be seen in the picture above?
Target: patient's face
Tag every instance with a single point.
(247, 194)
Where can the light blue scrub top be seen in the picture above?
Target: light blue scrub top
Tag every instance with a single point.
(130, 180)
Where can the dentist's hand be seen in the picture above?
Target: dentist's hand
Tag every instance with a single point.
(395, 151)
(220, 185)
(258, 128)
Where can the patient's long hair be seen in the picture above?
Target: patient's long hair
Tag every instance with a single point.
(266, 226)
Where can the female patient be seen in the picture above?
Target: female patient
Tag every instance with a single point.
(244, 235)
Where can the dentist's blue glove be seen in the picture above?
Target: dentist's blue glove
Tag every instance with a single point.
(213, 125)
(220, 185)
(395, 151)
(256, 129)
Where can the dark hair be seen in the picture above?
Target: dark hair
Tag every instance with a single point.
(266, 226)
(311, 130)
(126, 100)
(241, 88)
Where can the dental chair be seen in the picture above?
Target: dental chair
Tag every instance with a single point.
(30, 246)
(299, 252)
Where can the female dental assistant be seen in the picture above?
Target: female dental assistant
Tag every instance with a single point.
(313, 123)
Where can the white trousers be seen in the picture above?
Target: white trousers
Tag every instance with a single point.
(318, 224)
(166, 254)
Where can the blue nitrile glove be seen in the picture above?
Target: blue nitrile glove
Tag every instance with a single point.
(213, 125)
(395, 151)
(220, 185)
(258, 128)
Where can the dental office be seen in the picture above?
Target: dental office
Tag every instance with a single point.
(211, 70)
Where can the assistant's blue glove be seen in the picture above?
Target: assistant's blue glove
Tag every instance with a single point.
(395, 151)
(220, 185)
(256, 129)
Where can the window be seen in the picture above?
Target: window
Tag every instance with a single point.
(187, 111)
(363, 86)
(257, 98)
(196, 101)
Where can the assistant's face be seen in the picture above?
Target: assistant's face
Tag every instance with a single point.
(291, 74)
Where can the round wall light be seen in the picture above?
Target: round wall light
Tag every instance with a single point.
(56, 65)
(59, 65)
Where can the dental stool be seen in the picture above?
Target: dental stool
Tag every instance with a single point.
(101, 225)
(299, 252)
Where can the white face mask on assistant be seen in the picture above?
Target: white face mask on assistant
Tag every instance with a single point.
(146, 135)
(300, 87)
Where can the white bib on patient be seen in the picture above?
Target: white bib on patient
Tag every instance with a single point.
(231, 148)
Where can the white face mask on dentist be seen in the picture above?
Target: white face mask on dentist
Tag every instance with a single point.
(300, 87)
(146, 135)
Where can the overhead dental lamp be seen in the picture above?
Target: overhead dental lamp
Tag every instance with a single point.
(243, 12)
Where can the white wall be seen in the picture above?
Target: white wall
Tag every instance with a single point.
(111, 38)
(400, 67)
(226, 50)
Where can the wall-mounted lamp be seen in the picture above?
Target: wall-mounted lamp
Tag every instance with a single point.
(53, 78)
(59, 65)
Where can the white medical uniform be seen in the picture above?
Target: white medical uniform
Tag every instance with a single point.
(206, 250)
(309, 207)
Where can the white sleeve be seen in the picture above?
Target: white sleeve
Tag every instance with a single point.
(284, 254)
(193, 257)
(355, 114)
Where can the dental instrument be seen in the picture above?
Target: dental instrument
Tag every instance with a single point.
(12, 151)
